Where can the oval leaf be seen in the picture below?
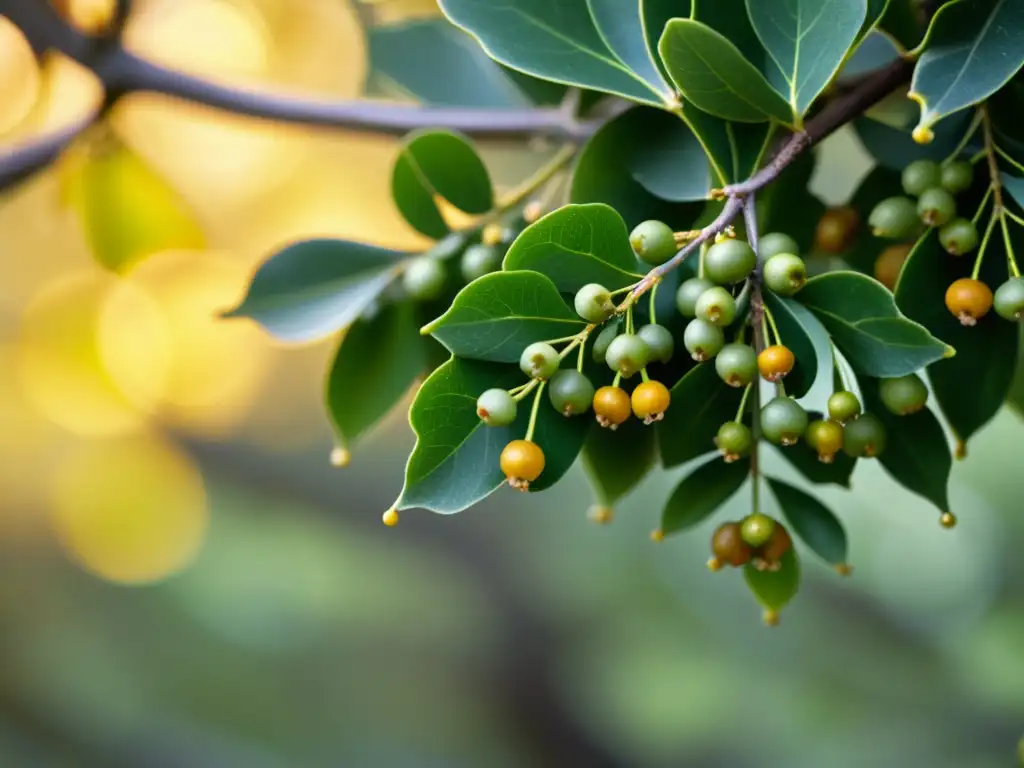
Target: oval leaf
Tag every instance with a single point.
(773, 589)
(616, 461)
(671, 163)
(812, 521)
(701, 403)
(622, 27)
(895, 148)
(735, 150)
(806, 337)
(701, 492)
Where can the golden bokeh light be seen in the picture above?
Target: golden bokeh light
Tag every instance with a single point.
(130, 510)
(69, 92)
(19, 77)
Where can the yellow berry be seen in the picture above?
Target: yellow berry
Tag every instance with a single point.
(611, 406)
(650, 401)
(390, 518)
(522, 461)
(340, 457)
(969, 300)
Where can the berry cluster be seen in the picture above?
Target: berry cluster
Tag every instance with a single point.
(757, 539)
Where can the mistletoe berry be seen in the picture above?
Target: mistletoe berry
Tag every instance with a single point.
(919, 176)
(659, 341)
(424, 278)
(717, 306)
(968, 300)
(957, 176)
(843, 406)
(903, 395)
(603, 341)
(479, 260)
(757, 529)
(689, 292)
(894, 218)
(570, 392)
(650, 400)
(958, 236)
(594, 303)
(736, 364)
(776, 242)
(936, 207)
(496, 408)
(785, 274)
(775, 362)
(612, 406)
(1009, 299)
(734, 440)
(836, 230)
(627, 355)
(778, 544)
(890, 262)
(539, 361)
(783, 421)
(728, 547)
(865, 437)
(729, 261)
(826, 437)
(653, 242)
(522, 461)
(702, 339)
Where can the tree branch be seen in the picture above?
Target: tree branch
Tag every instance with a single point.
(23, 160)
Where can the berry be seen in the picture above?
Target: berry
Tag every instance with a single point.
(969, 300)
(826, 437)
(702, 339)
(958, 236)
(717, 306)
(777, 545)
(734, 440)
(936, 206)
(650, 401)
(653, 241)
(776, 242)
(894, 218)
(903, 395)
(479, 260)
(496, 408)
(957, 176)
(757, 529)
(736, 364)
(424, 278)
(539, 360)
(864, 437)
(594, 303)
(627, 354)
(571, 392)
(1009, 299)
(775, 362)
(603, 340)
(919, 176)
(612, 406)
(890, 262)
(688, 293)
(785, 274)
(522, 461)
(659, 341)
(783, 421)
(836, 229)
(729, 261)
(843, 406)
(728, 546)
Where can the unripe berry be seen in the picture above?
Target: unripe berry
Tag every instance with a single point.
(757, 529)
(650, 400)
(919, 176)
(785, 274)
(593, 303)
(612, 406)
(659, 341)
(775, 362)
(826, 437)
(969, 300)
(836, 230)
(728, 546)
(729, 261)
(957, 176)
(936, 207)
(479, 260)
(702, 339)
(894, 218)
(1009, 299)
(424, 278)
(522, 461)
(603, 340)
(736, 364)
(496, 408)
(890, 262)
(864, 437)
(903, 395)
(688, 293)
(843, 406)
(958, 236)
(734, 440)
(627, 354)
(653, 242)
(539, 360)
(776, 242)
(717, 306)
(783, 421)
(570, 392)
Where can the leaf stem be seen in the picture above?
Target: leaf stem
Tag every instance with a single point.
(757, 325)
(579, 358)
(533, 411)
(981, 208)
(1011, 258)
(1008, 158)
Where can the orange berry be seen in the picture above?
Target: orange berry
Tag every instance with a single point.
(890, 262)
(775, 362)
(612, 406)
(650, 401)
(778, 545)
(836, 229)
(968, 300)
(522, 461)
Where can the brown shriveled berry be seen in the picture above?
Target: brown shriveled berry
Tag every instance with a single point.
(836, 229)
(777, 546)
(612, 406)
(890, 262)
(775, 362)
(522, 461)
(650, 400)
(969, 300)
(728, 546)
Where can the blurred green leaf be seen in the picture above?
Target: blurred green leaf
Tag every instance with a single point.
(812, 521)
(701, 403)
(701, 492)
(895, 148)
(615, 461)
(774, 589)
(902, 22)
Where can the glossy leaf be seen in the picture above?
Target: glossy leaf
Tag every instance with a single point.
(671, 162)
(575, 245)
(812, 521)
(622, 27)
(901, 22)
(497, 316)
(1015, 186)
(805, 336)
(895, 148)
(862, 318)
(316, 287)
(701, 403)
(614, 472)
(701, 492)
(875, 12)
(774, 589)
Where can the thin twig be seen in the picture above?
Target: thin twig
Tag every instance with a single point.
(756, 325)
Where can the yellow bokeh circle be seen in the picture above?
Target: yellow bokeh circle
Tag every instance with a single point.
(19, 77)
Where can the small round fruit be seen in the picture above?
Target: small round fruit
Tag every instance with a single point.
(757, 529)
(843, 406)
(785, 274)
(903, 395)
(890, 262)
(612, 406)
(969, 300)
(936, 207)
(571, 392)
(688, 293)
(496, 408)
(776, 242)
(479, 260)
(777, 545)
(957, 176)
(603, 340)
(729, 261)
(894, 218)
(775, 362)
(783, 421)
(836, 230)
(919, 176)
(539, 360)
(728, 546)
(734, 440)
(650, 401)
(864, 437)
(736, 364)
(522, 461)
(702, 339)
(594, 303)
(958, 236)
(1009, 299)
(659, 341)
(653, 242)
(424, 278)
(717, 306)
(627, 354)
(826, 437)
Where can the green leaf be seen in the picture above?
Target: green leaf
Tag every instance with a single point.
(773, 589)
(875, 11)
(576, 245)
(862, 318)
(616, 461)
(622, 27)
(900, 22)
(712, 74)
(895, 148)
(1015, 186)
(701, 492)
(701, 403)
(316, 287)
(812, 521)
(970, 387)
(806, 41)
(444, 163)
(805, 336)
(804, 460)
(787, 205)
(971, 50)
(363, 384)
(498, 315)
(875, 51)
(551, 39)
(671, 163)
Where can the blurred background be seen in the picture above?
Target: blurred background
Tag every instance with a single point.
(186, 581)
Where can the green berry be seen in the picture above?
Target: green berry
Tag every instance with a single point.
(864, 437)
(717, 306)
(688, 293)
(903, 395)
(757, 529)
(604, 338)
(1009, 299)
(919, 176)
(729, 261)
(702, 339)
(785, 274)
(734, 440)
(957, 176)
(736, 364)
(783, 421)
(659, 340)
(843, 406)
(958, 236)
(424, 278)
(539, 361)
(571, 392)
(496, 408)
(479, 260)
(776, 242)
(653, 242)
(593, 303)
(627, 354)
(936, 206)
(894, 218)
